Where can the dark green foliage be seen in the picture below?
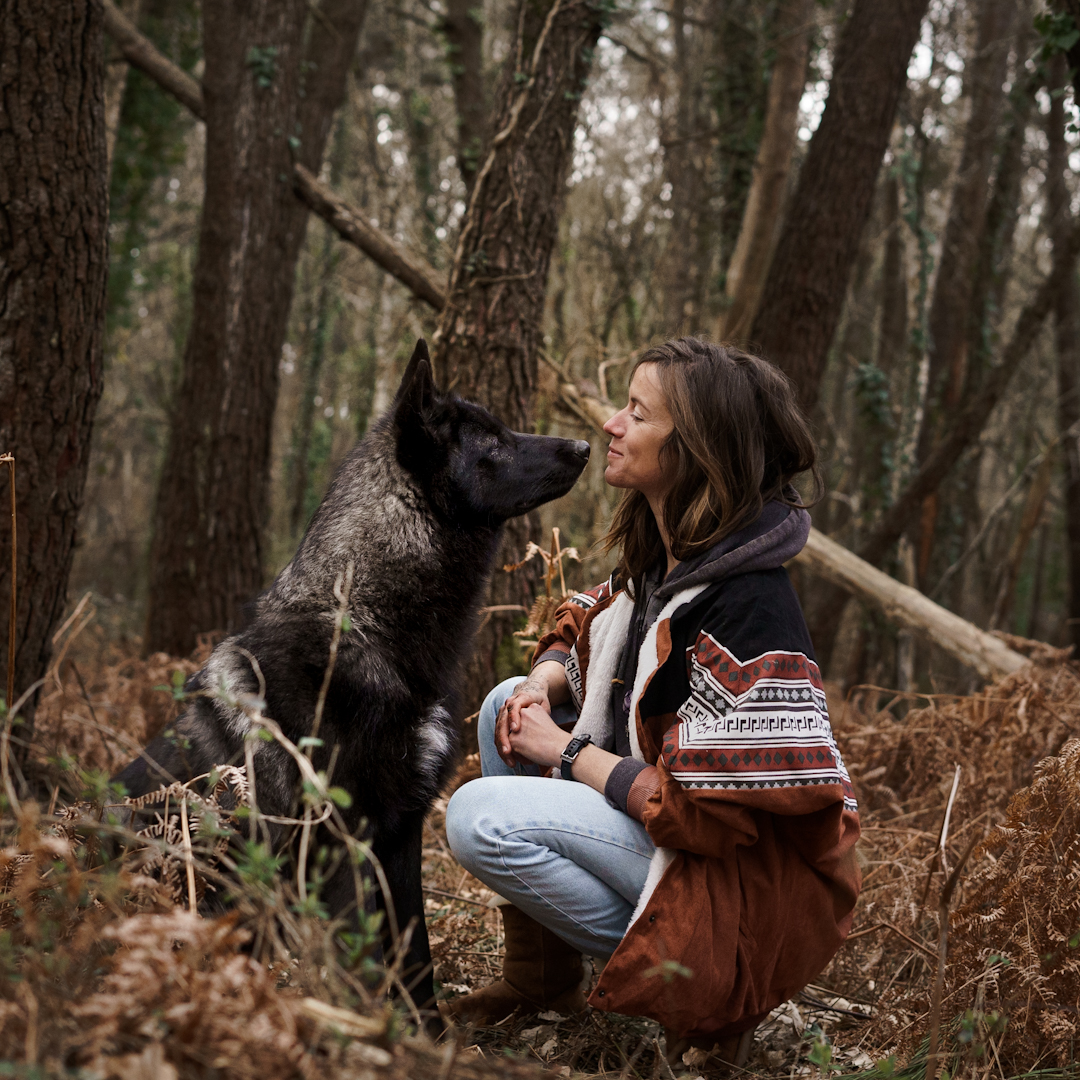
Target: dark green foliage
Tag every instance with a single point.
(150, 142)
(263, 64)
(1058, 31)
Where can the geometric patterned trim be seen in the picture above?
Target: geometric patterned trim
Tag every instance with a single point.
(592, 597)
(762, 723)
(573, 677)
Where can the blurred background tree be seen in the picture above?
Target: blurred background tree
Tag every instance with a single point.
(880, 199)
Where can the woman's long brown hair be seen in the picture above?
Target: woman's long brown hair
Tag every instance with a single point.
(739, 439)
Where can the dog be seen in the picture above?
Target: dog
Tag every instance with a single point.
(416, 511)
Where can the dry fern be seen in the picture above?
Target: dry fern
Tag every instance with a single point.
(1018, 934)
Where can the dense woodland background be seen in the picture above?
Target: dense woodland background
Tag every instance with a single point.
(553, 188)
(222, 228)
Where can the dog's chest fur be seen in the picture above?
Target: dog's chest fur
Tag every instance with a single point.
(387, 724)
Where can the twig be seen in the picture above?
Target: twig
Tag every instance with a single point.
(10, 460)
(948, 814)
(85, 692)
(939, 851)
(943, 950)
(806, 999)
(601, 371)
(896, 930)
(189, 858)
(342, 588)
(5, 746)
(455, 896)
(72, 617)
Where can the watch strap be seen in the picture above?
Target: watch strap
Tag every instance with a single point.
(569, 755)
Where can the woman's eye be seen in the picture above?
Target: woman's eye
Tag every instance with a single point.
(634, 416)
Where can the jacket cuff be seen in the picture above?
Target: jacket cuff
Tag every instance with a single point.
(558, 654)
(645, 785)
(621, 779)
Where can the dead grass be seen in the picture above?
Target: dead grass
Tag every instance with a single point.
(110, 977)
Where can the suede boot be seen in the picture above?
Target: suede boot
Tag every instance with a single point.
(540, 971)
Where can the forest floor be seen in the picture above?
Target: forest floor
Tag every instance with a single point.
(107, 973)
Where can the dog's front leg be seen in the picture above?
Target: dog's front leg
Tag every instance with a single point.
(401, 858)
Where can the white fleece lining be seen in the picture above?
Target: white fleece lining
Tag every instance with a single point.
(648, 662)
(649, 659)
(606, 639)
(606, 636)
(662, 858)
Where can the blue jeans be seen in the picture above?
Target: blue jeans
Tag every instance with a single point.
(557, 850)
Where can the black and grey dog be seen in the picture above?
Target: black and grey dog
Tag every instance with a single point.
(417, 509)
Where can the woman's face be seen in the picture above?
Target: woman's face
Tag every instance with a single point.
(637, 434)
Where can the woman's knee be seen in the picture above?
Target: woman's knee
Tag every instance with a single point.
(463, 823)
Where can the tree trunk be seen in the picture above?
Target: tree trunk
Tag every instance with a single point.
(765, 203)
(485, 347)
(316, 341)
(736, 75)
(893, 327)
(259, 87)
(686, 144)
(807, 281)
(53, 267)
(464, 31)
(1067, 345)
(947, 343)
(1029, 520)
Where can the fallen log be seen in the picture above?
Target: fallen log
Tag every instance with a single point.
(988, 655)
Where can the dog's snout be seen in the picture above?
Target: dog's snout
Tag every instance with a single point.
(582, 449)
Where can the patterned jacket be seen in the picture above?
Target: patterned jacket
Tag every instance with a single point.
(754, 881)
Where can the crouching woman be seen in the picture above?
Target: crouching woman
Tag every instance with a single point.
(702, 838)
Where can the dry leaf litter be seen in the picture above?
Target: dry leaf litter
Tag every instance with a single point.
(109, 975)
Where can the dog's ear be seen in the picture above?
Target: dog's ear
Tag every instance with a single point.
(417, 390)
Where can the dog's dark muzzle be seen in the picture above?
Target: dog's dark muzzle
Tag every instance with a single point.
(547, 469)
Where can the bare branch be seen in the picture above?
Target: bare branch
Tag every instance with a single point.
(411, 271)
(141, 52)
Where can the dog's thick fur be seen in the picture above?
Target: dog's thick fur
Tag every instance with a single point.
(417, 509)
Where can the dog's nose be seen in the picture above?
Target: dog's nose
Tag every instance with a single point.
(582, 449)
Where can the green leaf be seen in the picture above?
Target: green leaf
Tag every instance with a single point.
(668, 969)
(309, 740)
(265, 735)
(341, 797)
(346, 624)
(886, 1066)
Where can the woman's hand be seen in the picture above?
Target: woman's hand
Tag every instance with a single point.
(535, 737)
(537, 689)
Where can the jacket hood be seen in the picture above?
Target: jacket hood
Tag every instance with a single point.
(778, 535)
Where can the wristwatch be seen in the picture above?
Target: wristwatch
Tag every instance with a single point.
(569, 755)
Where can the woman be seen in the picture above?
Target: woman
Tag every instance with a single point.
(705, 847)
